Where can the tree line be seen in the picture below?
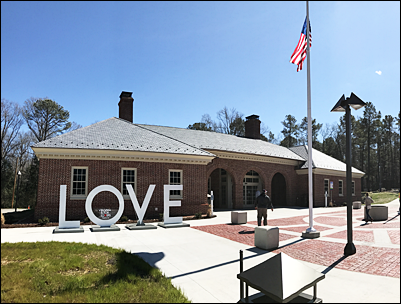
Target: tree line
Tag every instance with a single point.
(44, 119)
(375, 140)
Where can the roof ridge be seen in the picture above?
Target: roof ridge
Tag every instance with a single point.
(215, 132)
(141, 126)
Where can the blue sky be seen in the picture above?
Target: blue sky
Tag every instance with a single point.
(185, 59)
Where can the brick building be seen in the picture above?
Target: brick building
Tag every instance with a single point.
(118, 152)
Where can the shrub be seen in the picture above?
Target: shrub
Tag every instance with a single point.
(161, 216)
(9, 218)
(198, 215)
(43, 221)
(124, 218)
(87, 220)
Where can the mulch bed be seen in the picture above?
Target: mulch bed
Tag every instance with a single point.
(30, 222)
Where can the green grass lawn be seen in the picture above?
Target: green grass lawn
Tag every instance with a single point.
(76, 272)
(383, 197)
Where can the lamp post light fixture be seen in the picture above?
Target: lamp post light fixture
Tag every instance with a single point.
(343, 105)
(16, 199)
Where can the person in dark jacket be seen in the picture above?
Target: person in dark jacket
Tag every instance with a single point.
(262, 202)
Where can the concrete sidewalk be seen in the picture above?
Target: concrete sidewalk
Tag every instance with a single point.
(205, 265)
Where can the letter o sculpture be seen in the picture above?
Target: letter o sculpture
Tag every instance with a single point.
(88, 206)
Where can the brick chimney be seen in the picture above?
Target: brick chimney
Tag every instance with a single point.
(252, 127)
(126, 106)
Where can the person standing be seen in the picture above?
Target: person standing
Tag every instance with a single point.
(368, 204)
(262, 202)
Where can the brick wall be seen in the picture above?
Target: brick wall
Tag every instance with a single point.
(238, 169)
(334, 195)
(56, 172)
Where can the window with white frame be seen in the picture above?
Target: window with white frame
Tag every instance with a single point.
(79, 182)
(128, 177)
(175, 178)
(326, 186)
(353, 188)
(340, 187)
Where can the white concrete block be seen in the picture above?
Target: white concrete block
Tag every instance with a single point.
(356, 205)
(266, 237)
(238, 217)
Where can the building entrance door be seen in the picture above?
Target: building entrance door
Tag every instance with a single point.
(251, 184)
(279, 190)
(220, 181)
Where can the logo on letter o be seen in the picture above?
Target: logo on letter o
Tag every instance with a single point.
(88, 206)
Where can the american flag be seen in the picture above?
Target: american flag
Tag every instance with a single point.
(299, 54)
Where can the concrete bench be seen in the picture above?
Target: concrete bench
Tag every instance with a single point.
(238, 217)
(356, 205)
(266, 237)
(377, 213)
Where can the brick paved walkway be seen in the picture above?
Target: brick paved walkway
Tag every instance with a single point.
(377, 252)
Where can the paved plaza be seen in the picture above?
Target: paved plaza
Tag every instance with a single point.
(203, 260)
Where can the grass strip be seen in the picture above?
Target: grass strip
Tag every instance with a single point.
(48, 272)
(383, 197)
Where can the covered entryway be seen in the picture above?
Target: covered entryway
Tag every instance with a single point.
(279, 190)
(252, 183)
(221, 182)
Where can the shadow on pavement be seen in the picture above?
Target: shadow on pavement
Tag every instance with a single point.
(246, 232)
(391, 219)
(151, 258)
(330, 267)
(221, 264)
(296, 241)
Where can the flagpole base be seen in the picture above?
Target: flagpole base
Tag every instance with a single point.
(310, 234)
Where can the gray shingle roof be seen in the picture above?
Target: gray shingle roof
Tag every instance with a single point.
(217, 141)
(321, 160)
(119, 134)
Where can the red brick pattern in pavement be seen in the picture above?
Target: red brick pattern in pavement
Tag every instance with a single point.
(296, 220)
(381, 225)
(367, 259)
(394, 236)
(237, 233)
(365, 236)
(332, 221)
(303, 228)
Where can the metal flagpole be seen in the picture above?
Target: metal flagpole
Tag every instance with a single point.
(310, 181)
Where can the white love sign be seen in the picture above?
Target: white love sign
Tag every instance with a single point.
(140, 211)
(168, 204)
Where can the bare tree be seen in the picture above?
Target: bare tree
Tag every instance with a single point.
(11, 121)
(231, 122)
(74, 126)
(23, 149)
(209, 123)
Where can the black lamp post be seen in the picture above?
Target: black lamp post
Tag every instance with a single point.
(16, 200)
(341, 106)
